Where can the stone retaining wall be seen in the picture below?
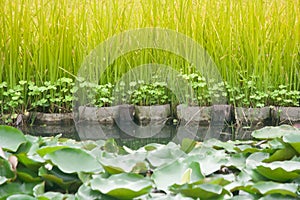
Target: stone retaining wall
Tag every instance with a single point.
(225, 120)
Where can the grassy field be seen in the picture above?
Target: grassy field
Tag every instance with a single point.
(249, 40)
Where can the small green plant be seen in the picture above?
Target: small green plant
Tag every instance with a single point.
(283, 97)
(103, 95)
(149, 94)
(204, 93)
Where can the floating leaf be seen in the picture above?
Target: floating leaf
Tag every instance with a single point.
(32, 162)
(10, 189)
(173, 173)
(269, 187)
(122, 186)
(6, 172)
(203, 191)
(270, 132)
(156, 196)
(187, 145)
(56, 196)
(86, 192)
(70, 160)
(277, 197)
(111, 146)
(212, 162)
(11, 138)
(229, 146)
(245, 148)
(164, 155)
(121, 163)
(68, 182)
(39, 189)
(282, 154)
(49, 149)
(21, 196)
(293, 140)
(28, 175)
(280, 171)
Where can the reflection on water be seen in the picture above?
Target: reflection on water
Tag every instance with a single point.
(98, 132)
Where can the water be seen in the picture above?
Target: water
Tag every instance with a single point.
(168, 133)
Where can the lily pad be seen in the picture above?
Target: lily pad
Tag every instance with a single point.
(69, 182)
(21, 196)
(293, 140)
(70, 160)
(11, 138)
(164, 155)
(86, 192)
(175, 173)
(56, 196)
(203, 191)
(281, 171)
(270, 132)
(122, 163)
(5, 169)
(122, 186)
(49, 149)
(269, 187)
(10, 189)
(282, 154)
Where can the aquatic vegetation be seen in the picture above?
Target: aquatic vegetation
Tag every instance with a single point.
(54, 167)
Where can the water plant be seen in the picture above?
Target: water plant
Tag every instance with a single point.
(267, 167)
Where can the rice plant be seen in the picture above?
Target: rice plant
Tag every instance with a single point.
(245, 38)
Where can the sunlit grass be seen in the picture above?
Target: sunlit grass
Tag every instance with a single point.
(246, 38)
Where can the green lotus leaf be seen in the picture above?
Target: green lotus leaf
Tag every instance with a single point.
(65, 181)
(86, 192)
(229, 146)
(11, 138)
(187, 145)
(39, 189)
(49, 149)
(56, 196)
(245, 148)
(293, 140)
(278, 197)
(151, 147)
(162, 196)
(276, 143)
(122, 186)
(27, 175)
(269, 187)
(10, 189)
(164, 155)
(32, 162)
(111, 146)
(70, 160)
(2, 180)
(282, 154)
(270, 132)
(255, 158)
(281, 171)
(122, 163)
(237, 161)
(203, 191)
(173, 173)
(213, 162)
(21, 196)
(245, 196)
(6, 171)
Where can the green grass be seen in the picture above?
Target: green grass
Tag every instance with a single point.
(245, 38)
